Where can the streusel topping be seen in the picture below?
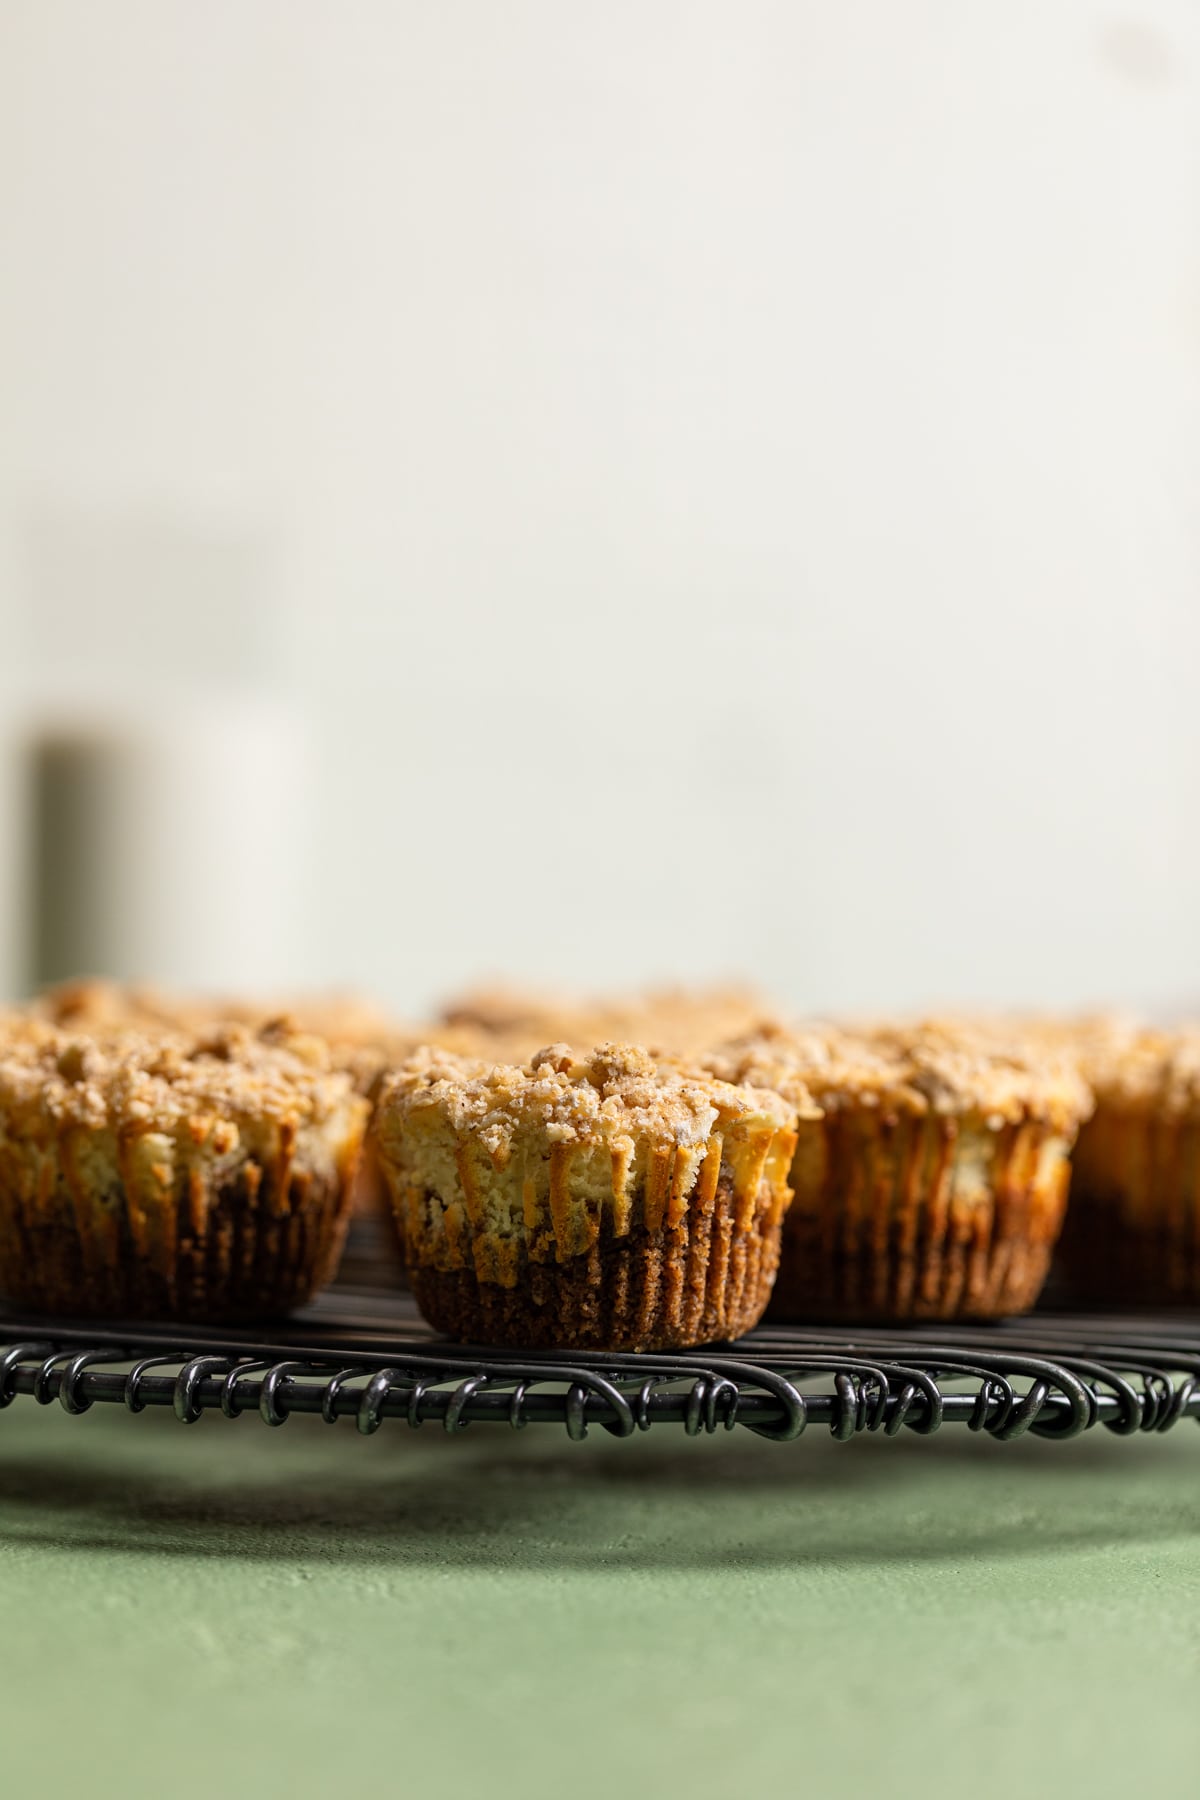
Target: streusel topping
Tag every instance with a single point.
(1136, 1068)
(615, 1091)
(363, 1040)
(157, 1081)
(930, 1066)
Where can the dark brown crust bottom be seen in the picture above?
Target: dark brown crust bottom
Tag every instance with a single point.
(702, 1282)
(260, 1255)
(1106, 1262)
(882, 1242)
(1132, 1235)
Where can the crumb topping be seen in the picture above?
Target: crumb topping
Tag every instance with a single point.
(1138, 1068)
(363, 1040)
(930, 1066)
(145, 1081)
(616, 1091)
(89, 1002)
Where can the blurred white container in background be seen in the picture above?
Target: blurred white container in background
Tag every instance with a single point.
(154, 774)
(167, 845)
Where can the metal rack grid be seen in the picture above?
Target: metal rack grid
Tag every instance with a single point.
(365, 1355)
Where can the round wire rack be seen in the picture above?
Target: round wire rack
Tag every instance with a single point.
(362, 1353)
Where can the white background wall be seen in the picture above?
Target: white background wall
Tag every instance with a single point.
(719, 482)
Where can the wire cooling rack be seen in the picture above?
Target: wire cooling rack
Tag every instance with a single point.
(363, 1354)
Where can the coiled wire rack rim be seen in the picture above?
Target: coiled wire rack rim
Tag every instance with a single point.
(367, 1356)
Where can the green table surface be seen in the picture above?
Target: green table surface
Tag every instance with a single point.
(229, 1610)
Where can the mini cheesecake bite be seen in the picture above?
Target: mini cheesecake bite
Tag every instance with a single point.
(600, 1200)
(162, 1174)
(935, 1182)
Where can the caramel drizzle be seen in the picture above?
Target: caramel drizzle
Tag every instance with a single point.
(656, 1187)
(683, 1179)
(710, 1171)
(284, 1162)
(748, 1169)
(674, 1180)
(622, 1162)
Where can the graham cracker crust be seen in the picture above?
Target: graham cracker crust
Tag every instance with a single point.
(882, 1240)
(254, 1253)
(701, 1281)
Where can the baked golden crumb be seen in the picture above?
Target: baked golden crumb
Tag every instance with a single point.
(610, 1199)
(361, 1036)
(929, 1066)
(1003, 1078)
(136, 1081)
(92, 1004)
(1142, 1069)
